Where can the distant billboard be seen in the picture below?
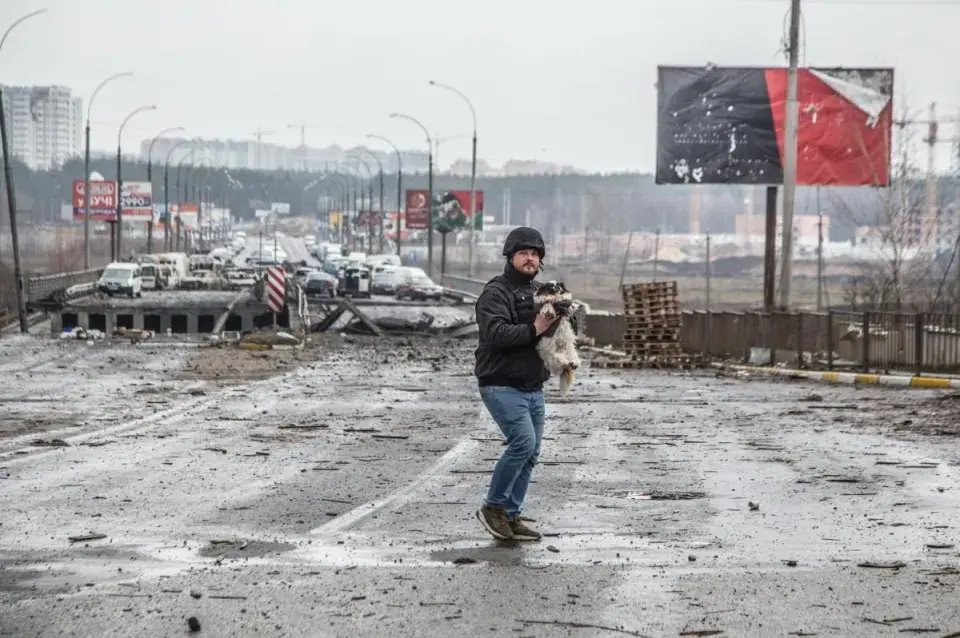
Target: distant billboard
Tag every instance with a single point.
(725, 125)
(137, 199)
(103, 200)
(450, 210)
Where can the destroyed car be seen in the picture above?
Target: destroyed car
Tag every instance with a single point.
(414, 284)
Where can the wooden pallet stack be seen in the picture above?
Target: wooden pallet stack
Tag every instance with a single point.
(651, 337)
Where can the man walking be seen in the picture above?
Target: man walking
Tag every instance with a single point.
(511, 375)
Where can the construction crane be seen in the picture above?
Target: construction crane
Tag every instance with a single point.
(302, 127)
(258, 134)
(931, 140)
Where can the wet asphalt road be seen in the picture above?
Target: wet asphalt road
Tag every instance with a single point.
(338, 499)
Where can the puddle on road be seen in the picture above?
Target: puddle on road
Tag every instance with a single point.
(503, 553)
(239, 548)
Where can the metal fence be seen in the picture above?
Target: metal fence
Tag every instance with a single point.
(922, 342)
(918, 342)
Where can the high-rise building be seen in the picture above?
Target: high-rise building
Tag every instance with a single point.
(44, 124)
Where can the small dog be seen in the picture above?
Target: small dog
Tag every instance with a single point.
(558, 350)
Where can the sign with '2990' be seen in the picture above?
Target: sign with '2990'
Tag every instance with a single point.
(136, 200)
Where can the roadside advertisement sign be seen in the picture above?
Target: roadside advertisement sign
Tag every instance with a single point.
(137, 199)
(450, 210)
(418, 212)
(280, 208)
(103, 200)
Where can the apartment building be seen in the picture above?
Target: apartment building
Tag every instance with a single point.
(44, 125)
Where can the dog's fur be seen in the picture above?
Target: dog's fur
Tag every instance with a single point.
(558, 351)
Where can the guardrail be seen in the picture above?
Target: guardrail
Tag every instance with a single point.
(471, 287)
(46, 287)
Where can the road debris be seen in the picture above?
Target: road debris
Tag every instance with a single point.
(92, 536)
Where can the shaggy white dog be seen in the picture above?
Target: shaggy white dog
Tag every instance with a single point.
(558, 350)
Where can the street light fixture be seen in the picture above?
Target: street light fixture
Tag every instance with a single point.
(429, 186)
(399, 184)
(119, 222)
(86, 168)
(473, 171)
(11, 191)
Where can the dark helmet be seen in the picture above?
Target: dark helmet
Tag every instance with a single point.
(523, 237)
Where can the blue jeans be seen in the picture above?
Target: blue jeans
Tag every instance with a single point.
(520, 416)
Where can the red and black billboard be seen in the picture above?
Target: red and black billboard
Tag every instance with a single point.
(719, 125)
(451, 210)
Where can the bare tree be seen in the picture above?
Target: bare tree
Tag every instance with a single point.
(897, 234)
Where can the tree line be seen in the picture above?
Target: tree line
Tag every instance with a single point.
(613, 203)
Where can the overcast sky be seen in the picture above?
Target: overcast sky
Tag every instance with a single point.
(568, 81)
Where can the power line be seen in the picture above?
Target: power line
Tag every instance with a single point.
(872, 3)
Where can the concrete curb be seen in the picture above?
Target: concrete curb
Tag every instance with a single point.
(912, 381)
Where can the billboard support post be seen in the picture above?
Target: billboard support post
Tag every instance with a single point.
(790, 157)
(444, 231)
(770, 251)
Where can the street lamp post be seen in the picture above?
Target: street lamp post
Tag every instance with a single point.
(150, 179)
(181, 194)
(399, 187)
(356, 186)
(86, 169)
(11, 191)
(429, 187)
(203, 188)
(366, 221)
(473, 173)
(341, 205)
(167, 235)
(380, 205)
(119, 222)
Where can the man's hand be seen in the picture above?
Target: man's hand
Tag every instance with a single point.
(542, 323)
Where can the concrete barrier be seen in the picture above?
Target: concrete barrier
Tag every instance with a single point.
(47, 286)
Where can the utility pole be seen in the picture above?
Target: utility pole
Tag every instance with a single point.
(819, 254)
(790, 156)
(12, 208)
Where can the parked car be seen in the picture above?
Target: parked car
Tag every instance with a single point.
(121, 278)
(414, 284)
(321, 283)
(302, 274)
(334, 265)
(383, 279)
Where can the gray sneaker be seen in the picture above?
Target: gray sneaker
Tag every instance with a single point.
(495, 520)
(523, 533)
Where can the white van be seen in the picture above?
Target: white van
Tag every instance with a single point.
(121, 278)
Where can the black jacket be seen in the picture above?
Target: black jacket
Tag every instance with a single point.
(507, 354)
